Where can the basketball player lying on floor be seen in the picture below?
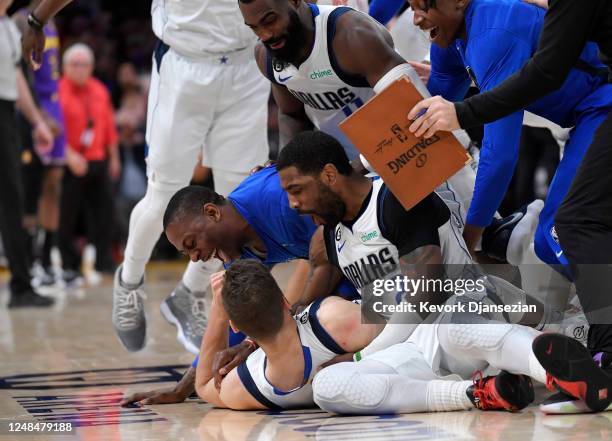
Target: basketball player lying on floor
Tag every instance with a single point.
(315, 172)
(277, 375)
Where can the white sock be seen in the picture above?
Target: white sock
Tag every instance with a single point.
(145, 229)
(520, 246)
(197, 275)
(444, 396)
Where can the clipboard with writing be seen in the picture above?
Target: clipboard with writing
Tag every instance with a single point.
(411, 167)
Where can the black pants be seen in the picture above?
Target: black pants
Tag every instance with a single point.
(91, 196)
(584, 226)
(11, 201)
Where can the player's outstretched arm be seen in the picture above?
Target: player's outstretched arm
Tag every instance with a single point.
(232, 394)
(168, 395)
(214, 340)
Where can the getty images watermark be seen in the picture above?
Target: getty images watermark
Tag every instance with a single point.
(496, 292)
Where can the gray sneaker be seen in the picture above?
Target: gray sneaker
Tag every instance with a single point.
(128, 313)
(186, 310)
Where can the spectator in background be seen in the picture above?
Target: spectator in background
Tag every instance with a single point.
(14, 92)
(92, 158)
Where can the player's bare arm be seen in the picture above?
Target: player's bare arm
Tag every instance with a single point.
(292, 118)
(342, 321)
(324, 276)
(424, 262)
(231, 394)
(364, 47)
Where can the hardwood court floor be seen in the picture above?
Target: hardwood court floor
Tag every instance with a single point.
(66, 365)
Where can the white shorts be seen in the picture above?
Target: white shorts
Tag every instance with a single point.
(216, 105)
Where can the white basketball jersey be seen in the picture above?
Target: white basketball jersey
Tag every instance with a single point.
(317, 346)
(199, 27)
(364, 254)
(329, 94)
(360, 5)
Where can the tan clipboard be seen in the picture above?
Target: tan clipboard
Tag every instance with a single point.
(411, 167)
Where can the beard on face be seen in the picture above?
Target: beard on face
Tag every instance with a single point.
(330, 207)
(294, 36)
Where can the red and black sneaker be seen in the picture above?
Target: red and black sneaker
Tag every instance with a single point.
(571, 369)
(505, 391)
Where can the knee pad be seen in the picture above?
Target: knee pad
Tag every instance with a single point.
(463, 337)
(345, 391)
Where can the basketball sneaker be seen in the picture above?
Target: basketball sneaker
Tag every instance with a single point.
(128, 313)
(29, 298)
(571, 369)
(496, 236)
(504, 391)
(563, 404)
(185, 309)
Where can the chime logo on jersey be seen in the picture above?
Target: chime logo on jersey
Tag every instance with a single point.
(333, 100)
(366, 237)
(321, 74)
(369, 268)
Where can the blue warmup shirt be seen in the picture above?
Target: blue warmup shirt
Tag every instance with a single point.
(385, 10)
(502, 35)
(261, 200)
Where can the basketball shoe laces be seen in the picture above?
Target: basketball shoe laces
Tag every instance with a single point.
(486, 395)
(129, 306)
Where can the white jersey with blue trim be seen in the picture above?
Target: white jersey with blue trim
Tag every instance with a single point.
(317, 346)
(329, 94)
(364, 253)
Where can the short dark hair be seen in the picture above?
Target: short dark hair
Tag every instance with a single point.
(252, 299)
(311, 150)
(189, 201)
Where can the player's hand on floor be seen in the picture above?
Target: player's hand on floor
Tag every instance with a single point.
(228, 359)
(157, 396)
(337, 359)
